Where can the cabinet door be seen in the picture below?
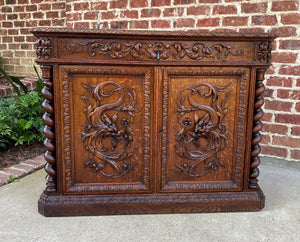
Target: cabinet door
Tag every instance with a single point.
(105, 125)
(203, 128)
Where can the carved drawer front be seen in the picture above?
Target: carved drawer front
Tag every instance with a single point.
(203, 128)
(106, 128)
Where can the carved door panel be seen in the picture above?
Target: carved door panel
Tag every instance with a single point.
(203, 127)
(105, 125)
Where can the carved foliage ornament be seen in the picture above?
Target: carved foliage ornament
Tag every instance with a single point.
(203, 134)
(107, 135)
(264, 51)
(43, 48)
(156, 50)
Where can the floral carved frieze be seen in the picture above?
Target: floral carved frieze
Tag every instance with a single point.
(154, 50)
(203, 134)
(106, 134)
(43, 48)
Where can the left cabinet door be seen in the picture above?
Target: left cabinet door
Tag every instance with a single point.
(104, 122)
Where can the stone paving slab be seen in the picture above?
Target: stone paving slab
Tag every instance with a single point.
(20, 170)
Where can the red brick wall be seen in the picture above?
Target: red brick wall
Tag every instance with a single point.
(281, 132)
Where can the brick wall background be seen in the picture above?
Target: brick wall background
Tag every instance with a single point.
(281, 132)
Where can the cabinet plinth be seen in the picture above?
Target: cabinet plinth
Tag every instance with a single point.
(151, 122)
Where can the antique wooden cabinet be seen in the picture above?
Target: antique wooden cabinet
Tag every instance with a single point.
(151, 122)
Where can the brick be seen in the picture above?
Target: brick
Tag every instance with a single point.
(173, 12)
(221, 9)
(90, 15)
(292, 18)
(286, 141)
(99, 6)
(129, 14)
(4, 177)
(118, 4)
(283, 31)
(235, 21)
(10, 1)
(45, 7)
(209, 1)
(160, 24)
(31, 8)
(32, 163)
(290, 70)
(289, 44)
(148, 13)
(25, 15)
(156, 3)
(295, 131)
(270, 70)
(283, 57)
(73, 16)
(265, 139)
(57, 6)
(274, 151)
(138, 3)
(180, 2)
(11, 171)
(139, 24)
(254, 7)
(108, 15)
(284, 6)
(298, 83)
(297, 107)
(275, 128)
(182, 22)
(278, 105)
(6, 9)
(19, 39)
(7, 39)
(38, 15)
(295, 154)
(7, 24)
(279, 81)
(208, 22)
(287, 118)
(52, 15)
(19, 9)
(24, 167)
(264, 20)
(23, 1)
(82, 25)
(81, 6)
(12, 16)
(58, 22)
(199, 10)
(119, 24)
(44, 23)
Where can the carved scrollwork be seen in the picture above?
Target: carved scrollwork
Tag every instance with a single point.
(155, 50)
(107, 135)
(264, 51)
(203, 134)
(118, 50)
(43, 48)
(198, 51)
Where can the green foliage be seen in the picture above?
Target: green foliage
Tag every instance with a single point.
(21, 120)
(11, 179)
(14, 81)
(39, 83)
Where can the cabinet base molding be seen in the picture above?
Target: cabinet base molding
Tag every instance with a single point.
(90, 205)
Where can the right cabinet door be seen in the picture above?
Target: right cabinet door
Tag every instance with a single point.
(203, 128)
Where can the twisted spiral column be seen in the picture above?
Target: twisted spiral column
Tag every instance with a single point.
(49, 131)
(257, 125)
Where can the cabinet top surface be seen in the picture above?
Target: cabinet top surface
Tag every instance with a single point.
(247, 35)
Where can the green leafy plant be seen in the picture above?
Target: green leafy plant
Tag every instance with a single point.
(21, 120)
(14, 81)
(11, 179)
(39, 83)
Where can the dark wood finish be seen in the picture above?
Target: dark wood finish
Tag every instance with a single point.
(151, 122)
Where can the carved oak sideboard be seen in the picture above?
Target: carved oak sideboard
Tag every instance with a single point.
(151, 122)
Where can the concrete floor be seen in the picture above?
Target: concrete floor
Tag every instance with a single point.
(278, 221)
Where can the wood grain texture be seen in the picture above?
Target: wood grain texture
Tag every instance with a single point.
(151, 122)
